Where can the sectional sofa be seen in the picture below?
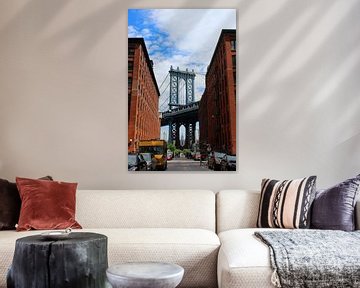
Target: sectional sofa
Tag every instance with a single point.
(210, 235)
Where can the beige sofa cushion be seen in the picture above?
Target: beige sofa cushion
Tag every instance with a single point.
(244, 261)
(146, 209)
(194, 249)
(236, 209)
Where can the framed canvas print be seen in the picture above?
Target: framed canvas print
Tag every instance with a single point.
(181, 90)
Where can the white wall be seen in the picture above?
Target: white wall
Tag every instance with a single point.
(63, 87)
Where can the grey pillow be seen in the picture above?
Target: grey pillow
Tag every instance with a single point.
(334, 208)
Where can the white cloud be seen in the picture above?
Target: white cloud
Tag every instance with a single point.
(146, 33)
(133, 32)
(194, 31)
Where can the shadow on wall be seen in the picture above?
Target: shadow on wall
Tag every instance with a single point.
(307, 51)
(89, 30)
(46, 11)
(86, 32)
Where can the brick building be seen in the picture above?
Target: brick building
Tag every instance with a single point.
(217, 112)
(143, 95)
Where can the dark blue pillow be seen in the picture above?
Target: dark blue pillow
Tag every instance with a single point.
(334, 208)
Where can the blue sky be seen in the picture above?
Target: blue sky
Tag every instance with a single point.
(140, 25)
(184, 38)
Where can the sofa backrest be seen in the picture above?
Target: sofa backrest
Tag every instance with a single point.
(239, 209)
(146, 209)
(236, 209)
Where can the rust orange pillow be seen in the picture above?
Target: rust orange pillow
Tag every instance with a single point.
(10, 204)
(46, 204)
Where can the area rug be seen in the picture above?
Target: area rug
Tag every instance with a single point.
(313, 258)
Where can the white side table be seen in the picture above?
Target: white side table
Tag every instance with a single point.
(145, 275)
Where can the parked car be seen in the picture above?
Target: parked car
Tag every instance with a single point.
(170, 155)
(214, 161)
(200, 156)
(197, 156)
(136, 162)
(150, 161)
(203, 156)
(228, 163)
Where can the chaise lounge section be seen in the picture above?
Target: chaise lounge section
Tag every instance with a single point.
(244, 260)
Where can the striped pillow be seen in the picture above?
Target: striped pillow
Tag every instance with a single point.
(286, 204)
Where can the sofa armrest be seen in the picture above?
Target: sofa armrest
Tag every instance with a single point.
(357, 215)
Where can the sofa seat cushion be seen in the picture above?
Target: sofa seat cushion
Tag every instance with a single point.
(196, 250)
(244, 261)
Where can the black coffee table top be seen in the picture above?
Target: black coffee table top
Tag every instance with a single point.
(73, 237)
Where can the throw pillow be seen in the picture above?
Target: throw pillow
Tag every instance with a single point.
(334, 208)
(46, 204)
(10, 204)
(286, 204)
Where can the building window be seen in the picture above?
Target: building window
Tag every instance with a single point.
(234, 61)
(130, 66)
(131, 51)
(129, 105)
(233, 44)
(129, 82)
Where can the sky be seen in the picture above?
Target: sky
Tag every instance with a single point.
(184, 38)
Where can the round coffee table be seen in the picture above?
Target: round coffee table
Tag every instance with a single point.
(145, 275)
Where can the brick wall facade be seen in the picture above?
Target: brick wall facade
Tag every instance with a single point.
(217, 112)
(143, 95)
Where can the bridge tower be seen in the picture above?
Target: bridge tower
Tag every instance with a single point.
(175, 103)
(175, 77)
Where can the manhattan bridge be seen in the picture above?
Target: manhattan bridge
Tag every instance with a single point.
(178, 106)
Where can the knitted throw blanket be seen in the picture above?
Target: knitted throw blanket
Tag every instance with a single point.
(313, 258)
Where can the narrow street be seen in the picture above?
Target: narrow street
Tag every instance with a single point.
(186, 165)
